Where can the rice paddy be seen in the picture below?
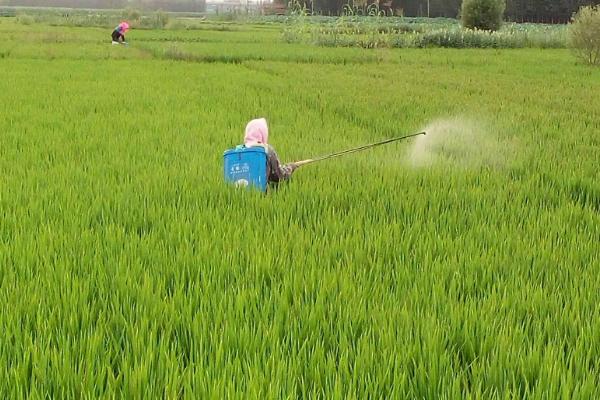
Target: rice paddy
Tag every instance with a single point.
(461, 265)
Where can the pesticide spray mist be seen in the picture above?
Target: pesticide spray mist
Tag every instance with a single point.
(458, 142)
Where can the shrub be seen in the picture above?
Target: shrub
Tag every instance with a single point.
(483, 14)
(160, 19)
(177, 24)
(584, 34)
(131, 14)
(25, 19)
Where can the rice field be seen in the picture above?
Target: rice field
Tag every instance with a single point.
(463, 264)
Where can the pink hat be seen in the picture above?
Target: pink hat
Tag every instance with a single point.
(257, 132)
(124, 26)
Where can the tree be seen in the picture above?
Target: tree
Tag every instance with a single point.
(483, 14)
(584, 34)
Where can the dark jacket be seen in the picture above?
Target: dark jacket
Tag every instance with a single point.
(276, 172)
(116, 35)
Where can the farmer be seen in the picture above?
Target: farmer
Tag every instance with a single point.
(257, 134)
(118, 35)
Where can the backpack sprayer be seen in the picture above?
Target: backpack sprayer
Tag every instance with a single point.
(247, 166)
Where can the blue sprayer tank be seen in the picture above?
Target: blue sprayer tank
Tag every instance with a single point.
(246, 167)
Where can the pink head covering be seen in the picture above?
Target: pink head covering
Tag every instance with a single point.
(257, 132)
(124, 27)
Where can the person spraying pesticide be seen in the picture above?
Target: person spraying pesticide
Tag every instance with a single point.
(118, 35)
(257, 135)
(256, 163)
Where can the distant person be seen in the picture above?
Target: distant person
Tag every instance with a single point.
(257, 135)
(118, 35)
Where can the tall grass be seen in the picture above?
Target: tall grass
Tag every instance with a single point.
(373, 31)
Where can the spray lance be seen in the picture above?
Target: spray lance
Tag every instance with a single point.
(354, 150)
